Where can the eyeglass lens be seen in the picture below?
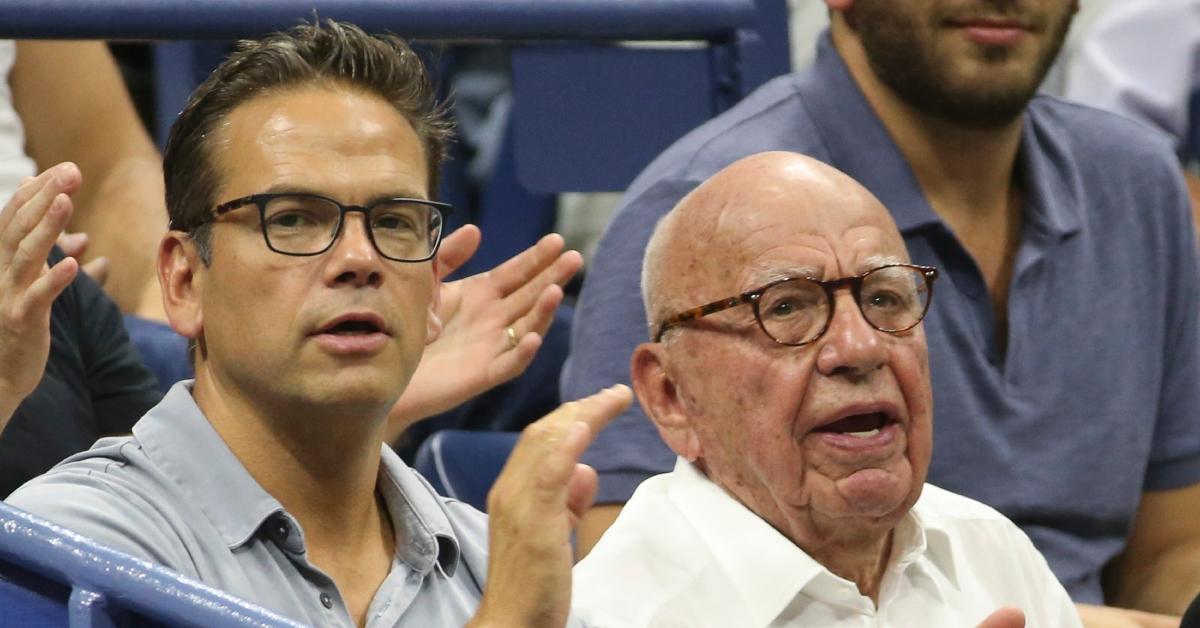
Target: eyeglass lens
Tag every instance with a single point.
(797, 311)
(403, 230)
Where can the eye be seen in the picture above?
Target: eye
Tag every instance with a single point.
(885, 300)
(784, 304)
(395, 222)
(291, 219)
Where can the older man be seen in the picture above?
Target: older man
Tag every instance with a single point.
(789, 373)
(1066, 334)
(302, 265)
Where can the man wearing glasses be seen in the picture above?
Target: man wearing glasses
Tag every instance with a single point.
(1065, 342)
(302, 262)
(801, 414)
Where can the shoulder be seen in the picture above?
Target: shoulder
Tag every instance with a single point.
(772, 117)
(989, 559)
(107, 494)
(647, 559)
(1102, 141)
(961, 531)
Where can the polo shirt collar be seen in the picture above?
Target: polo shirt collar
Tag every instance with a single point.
(424, 535)
(179, 440)
(856, 140)
(766, 568)
(1052, 183)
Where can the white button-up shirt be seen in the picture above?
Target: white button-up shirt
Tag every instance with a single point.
(685, 553)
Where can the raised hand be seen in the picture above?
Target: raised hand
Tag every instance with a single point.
(475, 351)
(536, 501)
(29, 225)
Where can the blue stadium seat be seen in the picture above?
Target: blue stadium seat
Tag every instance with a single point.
(462, 464)
(50, 576)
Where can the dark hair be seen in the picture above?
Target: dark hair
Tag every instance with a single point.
(331, 52)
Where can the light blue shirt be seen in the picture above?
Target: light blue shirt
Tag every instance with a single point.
(174, 494)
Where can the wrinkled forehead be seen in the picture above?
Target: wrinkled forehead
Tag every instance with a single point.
(824, 229)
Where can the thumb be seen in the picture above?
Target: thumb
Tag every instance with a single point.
(1007, 617)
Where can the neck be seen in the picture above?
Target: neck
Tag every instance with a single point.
(960, 168)
(860, 558)
(321, 465)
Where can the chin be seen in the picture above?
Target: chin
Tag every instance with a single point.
(879, 493)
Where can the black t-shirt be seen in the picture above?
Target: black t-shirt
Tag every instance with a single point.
(94, 385)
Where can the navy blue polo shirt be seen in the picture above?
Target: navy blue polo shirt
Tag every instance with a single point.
(1096, 398)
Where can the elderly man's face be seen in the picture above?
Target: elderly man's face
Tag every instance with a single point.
(833, 433)
(344, 328)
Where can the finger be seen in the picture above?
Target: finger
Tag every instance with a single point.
(541, 315)
(29, 258)
(512, 362)
(65, 174)
(73, 244)
(581, 491)
(24, 219)
(42, 292)
(526, 265)
(579, 423)
(98, 270)
(457, 248)
(549, 448)
(558, 273)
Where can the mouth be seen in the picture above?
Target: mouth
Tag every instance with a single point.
(353, 334)
(988, 30)
(354, 324)
(863, 425)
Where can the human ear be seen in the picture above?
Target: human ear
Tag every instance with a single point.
(659, 396)
(433, 322)
(182, 286)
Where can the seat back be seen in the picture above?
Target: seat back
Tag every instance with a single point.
(463, 464)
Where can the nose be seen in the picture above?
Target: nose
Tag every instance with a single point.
(850, 347)
(353, 259)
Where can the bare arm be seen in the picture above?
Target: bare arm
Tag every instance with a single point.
(1160, 568)
(1193, 186)
(74, 106)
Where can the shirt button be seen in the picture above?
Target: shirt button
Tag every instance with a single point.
(326, 601)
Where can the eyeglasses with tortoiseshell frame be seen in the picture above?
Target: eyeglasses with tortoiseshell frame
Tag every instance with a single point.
(795, 311)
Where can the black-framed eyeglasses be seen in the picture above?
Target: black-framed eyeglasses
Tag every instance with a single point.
(797, 310)
(401, 229)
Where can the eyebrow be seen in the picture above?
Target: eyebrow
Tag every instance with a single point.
(291, 188)
(767, 274)
(871, 262)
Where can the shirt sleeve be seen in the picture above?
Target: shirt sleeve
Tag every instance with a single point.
(1175, 450)
(610, 321)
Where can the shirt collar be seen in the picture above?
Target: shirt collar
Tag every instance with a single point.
(768, 569)
(181, 442)
(424, 535)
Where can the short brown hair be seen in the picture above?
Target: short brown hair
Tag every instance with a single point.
(322, 52)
